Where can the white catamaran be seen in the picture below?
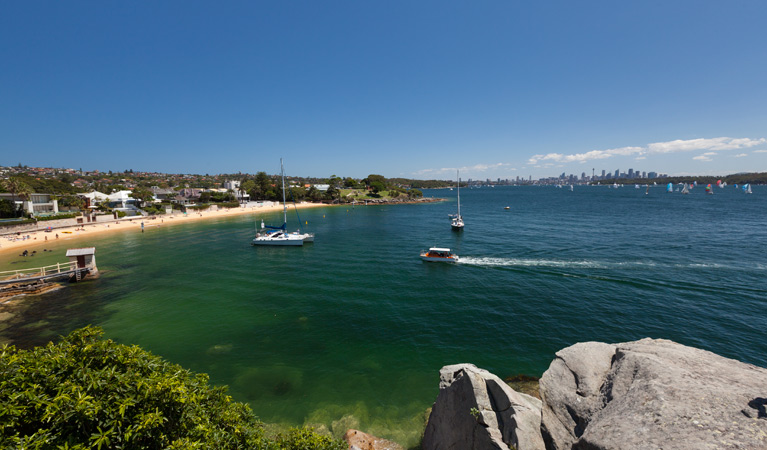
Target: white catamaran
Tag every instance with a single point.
(457, 219)
(279, 235)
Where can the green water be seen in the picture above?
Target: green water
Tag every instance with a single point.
(351, 331)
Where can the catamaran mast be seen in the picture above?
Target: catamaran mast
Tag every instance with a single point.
(284, 205)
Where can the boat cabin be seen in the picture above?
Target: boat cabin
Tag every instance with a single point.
(436, 252)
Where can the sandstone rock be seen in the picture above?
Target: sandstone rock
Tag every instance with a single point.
(570, 390)
(477, 410)
(653, 394)
(358, 440)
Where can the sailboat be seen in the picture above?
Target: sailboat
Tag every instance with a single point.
(708, 189)
(279, 235)
(669, 187)
(685, 190)
(457, 219)
(747, 188)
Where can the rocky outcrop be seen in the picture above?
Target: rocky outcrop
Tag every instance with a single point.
(359, 440)
(652, 394)
(477, 410)
(647, 394)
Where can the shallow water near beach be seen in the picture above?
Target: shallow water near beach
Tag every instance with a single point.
(351, 331)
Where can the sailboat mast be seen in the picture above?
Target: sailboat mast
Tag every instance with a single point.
(459, 193)
(284, 205)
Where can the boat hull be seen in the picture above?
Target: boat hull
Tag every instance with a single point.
(278, 242)
(282, 239)
(439, 259)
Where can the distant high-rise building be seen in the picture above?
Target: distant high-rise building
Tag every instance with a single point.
(631, 173)
(652, 175)
(644, 174)
(603, 174)
(583, 175)
(617, 173)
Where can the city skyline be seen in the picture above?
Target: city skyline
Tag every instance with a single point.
(495, 90)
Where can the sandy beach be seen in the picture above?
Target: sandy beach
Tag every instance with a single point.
(38, 239)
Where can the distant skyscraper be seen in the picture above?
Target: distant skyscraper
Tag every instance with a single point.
(631, 173)
(603, 174)
(617, 173)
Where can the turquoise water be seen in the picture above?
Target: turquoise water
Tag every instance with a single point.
(352, 330)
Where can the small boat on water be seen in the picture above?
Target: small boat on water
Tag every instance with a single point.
(437, 254)
(747, 188)
(456, 221)
(507, 207)
(280, 235)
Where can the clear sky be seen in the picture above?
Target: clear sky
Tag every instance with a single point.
(399, 88)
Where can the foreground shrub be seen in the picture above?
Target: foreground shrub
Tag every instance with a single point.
(88, 392)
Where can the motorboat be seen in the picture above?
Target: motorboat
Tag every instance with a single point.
(437, 254)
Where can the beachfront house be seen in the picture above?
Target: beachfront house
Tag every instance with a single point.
(37, 204)
(187, 196)
(161, 194)
(92, 199)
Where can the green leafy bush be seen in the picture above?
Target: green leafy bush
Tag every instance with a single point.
(57, 217)
(88, 392)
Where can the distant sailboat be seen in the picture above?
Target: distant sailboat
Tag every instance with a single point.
(685, 190)
(747, 188)
(571, 188)
(647, 191)
(457, 222)
(669, 187)
(708, 189)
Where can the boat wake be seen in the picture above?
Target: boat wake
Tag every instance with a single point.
(517, 262)
(591, 264)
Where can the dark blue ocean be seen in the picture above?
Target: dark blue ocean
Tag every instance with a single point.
(352, 330)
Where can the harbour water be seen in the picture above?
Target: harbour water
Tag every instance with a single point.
(352, 330)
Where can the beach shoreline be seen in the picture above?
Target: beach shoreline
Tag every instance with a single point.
(77, 233)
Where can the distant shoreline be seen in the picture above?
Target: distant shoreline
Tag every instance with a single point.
(79, 233)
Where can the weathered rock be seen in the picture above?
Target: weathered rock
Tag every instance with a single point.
(570, 390)
(652, 394)
(359, 440)
(477, 410)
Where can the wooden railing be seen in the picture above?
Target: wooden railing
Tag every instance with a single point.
(38, 271)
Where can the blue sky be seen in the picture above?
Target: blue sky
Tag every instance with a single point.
(398, 88)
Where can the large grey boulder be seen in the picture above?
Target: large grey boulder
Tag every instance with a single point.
(653, 394)
(477, 410)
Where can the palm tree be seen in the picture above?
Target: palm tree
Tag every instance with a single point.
(17, 188)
